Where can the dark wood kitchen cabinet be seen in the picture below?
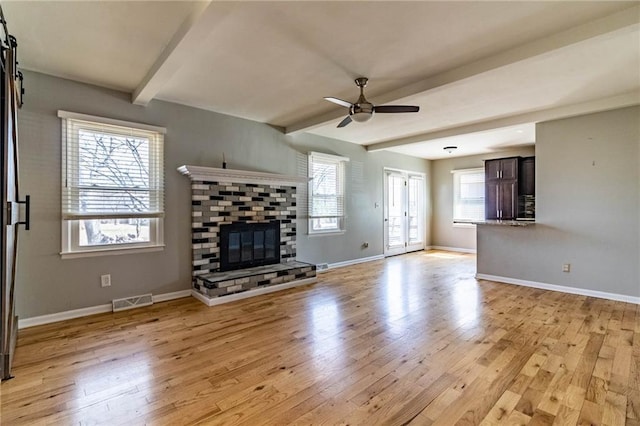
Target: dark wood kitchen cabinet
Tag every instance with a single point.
(501, 188)
(527, 179)
(501, 200)
(502, 168)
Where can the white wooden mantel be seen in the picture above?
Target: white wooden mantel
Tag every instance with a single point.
(214, 174)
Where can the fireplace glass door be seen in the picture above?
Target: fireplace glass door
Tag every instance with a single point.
(243, 245)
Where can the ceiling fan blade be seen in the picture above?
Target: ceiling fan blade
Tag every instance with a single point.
(344, 122)
(396, 108)
(339, 102)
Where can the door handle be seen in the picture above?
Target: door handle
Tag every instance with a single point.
(27, 212)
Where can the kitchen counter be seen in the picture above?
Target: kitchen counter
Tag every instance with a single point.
(505, 222)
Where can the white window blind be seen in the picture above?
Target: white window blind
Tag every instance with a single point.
(326, 193)
(468, 197)
(112, 181)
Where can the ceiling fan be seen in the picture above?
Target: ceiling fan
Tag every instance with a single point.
(362, 110)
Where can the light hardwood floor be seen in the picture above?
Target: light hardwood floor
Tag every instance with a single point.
(411, 339)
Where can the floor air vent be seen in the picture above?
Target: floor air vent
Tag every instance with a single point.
(132, 302)
(322, 267)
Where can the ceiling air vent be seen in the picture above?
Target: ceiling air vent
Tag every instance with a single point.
(132, 302)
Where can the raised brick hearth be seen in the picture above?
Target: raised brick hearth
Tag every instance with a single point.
(230, 282)
(222, 196)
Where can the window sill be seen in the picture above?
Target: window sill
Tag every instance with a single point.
(110, 251)
(327, 233)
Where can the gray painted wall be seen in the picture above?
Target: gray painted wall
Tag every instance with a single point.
(47, 284)
(444, 234)
(587, 209)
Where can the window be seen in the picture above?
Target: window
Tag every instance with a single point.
(326, 193)
(468, 195)
(112, 185)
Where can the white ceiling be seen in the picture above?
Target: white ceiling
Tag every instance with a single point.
(480, 71)
(480, 142)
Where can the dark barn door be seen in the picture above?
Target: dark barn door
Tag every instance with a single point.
(10, 209)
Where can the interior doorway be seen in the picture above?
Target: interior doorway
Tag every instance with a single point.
(404, 219)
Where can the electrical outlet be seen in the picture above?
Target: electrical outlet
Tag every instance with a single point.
(105, 280)
(566, 267)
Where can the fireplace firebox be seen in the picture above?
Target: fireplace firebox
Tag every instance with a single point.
(244, 245)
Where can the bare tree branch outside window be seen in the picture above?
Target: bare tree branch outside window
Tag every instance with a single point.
(113, 172)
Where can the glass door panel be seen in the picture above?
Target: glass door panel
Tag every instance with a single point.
(415, 209)
(395, 217)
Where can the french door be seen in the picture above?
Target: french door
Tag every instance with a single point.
(404, 217)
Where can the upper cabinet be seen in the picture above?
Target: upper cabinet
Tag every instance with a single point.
(509, 188)
(501, 168)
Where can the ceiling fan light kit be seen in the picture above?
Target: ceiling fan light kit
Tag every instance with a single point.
(363, 110)
(361, 116)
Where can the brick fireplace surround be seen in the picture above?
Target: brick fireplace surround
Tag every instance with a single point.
(225, 196)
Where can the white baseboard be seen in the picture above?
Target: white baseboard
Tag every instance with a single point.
(455, 249)
(356, 261)
(170, 296)
(213, 301)
(92, 310)
(61, 316)
(562, 289)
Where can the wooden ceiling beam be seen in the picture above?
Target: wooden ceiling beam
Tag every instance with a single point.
(189, 36)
